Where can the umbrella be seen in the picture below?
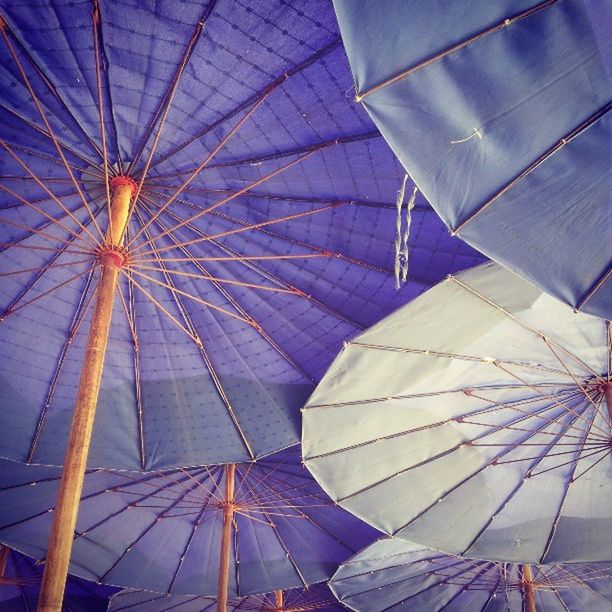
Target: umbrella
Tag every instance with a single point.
(20, 579)
(393, 574)
(191, 187)
(315, 597)
(473, 421)
(165, 531)
(501, 113)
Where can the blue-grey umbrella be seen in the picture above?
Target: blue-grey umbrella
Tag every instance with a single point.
(194, 216)
(475, 420)
(20, 579)
(396, 575)
(163, 531)
(315, 597)
(500, 111)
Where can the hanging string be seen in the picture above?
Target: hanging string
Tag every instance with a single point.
(402, 236)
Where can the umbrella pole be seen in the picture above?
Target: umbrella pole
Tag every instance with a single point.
(4, 551)
(228, 517)
(71, 483)
(528, 590)
(608, 397)
(279, 600)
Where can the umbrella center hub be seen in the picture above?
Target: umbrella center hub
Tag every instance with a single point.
(113, 257)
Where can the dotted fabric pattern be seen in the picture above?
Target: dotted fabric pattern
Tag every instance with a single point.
(270, 327)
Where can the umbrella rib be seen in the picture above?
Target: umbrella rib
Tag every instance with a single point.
(40, 130)
(160, 306)
(131, 315)
(40, 200)
(45, 293)
(549, 397)
(374, 400)
(161, 114)
(586, 584)
(438, 456)
(201, 301)
(470, 583)
(41, 112)
(219, 203)
(597, 285)
(511, 405)
(563, 406)
(77, 318)
(139, 537)
(47, 266)
(284, 546)
(195, 525)
(336, 42)
(456, 486)
(239, 308)
(263, 509)
(535, 164)
(575, 379)
(574, 478)
(207, 361)
(49, 217)
(209, 493)
(260, 159)
(37, 232)
(456, 47)
(437, 584)
(4, 27)
(287, 198)
(322, 251)
(609, 343)
(223, 234)
(526, 326)
(51, 194)
(212, 278)
(397, 349)
(505, 502)
(53, 160)
(96, 23)
(194, 173)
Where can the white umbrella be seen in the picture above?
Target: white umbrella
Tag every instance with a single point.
(473, 421)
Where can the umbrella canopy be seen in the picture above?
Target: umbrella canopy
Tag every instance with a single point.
(501, 113)
(163, 531)
(315, 597)
(473, 421)
(395, 575)
(259, 233)
(20, 584)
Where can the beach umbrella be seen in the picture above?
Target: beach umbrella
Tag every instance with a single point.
(476, 421)
(234, 530)
(500, 111)
(315, 597)
(393, 574)
(20, 579)
(194, 217)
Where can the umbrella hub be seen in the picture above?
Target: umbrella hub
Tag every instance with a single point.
(112, 256)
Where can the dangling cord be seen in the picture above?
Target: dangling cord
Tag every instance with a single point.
(401, 239)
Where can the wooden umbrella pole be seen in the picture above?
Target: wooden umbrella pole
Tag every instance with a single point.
(608, 397)
(71, 483)
(4, 552)
(528, 590)
(279, 600)
(226, 538)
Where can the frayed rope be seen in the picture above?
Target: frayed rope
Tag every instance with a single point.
(402, 235)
